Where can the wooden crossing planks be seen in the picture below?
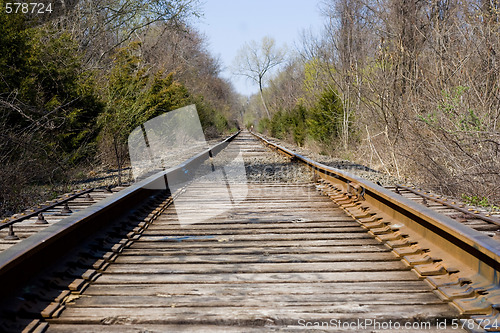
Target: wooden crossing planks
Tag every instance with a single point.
(260, 266)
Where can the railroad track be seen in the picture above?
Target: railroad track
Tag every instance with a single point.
(473, 217)
(478, 219)
(294, 244)
(23, 225)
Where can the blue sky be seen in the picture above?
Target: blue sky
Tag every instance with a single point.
(228, 24)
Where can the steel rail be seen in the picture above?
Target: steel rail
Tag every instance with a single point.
(22, 261)
(477, 251)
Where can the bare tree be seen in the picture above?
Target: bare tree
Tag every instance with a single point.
(104, 26)
(339, 56)
(418, 83)
(254, 61)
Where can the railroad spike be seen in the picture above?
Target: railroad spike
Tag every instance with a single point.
(11, 235)
(88, 197)
(66, 209)
(41, 219)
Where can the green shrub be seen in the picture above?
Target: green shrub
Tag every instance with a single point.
(324, 121)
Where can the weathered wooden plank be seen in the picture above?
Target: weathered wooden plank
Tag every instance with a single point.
(200, 186)
(257, 258)
(158, 328)
(254, 289)
(251, 231)
(260, 219)
(252, 316)
(256, 301)
(278, 206)
(269, 237)
(261, 207)
(299, 203)
(226, 242)
(258, 277)
(355, 250)
(254, 226)
(233, 217)
(236, 268)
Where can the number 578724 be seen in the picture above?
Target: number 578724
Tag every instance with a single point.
(28, 7)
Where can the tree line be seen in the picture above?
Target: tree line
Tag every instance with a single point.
(408, 87)
(74, 86)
